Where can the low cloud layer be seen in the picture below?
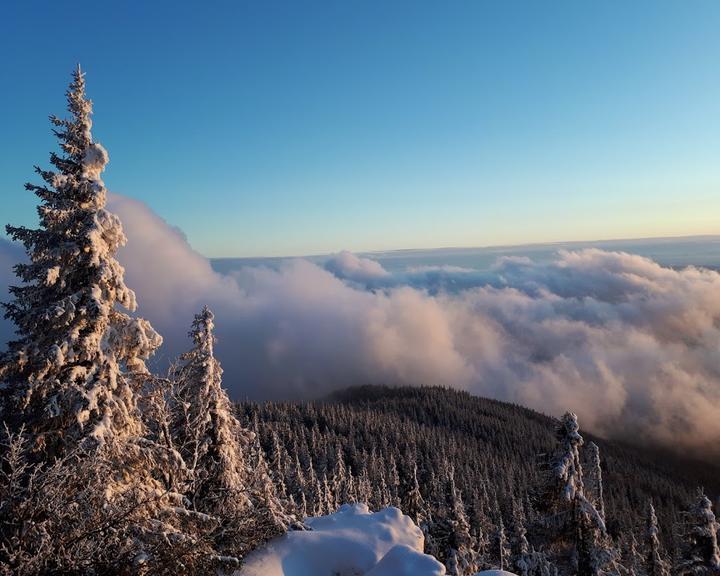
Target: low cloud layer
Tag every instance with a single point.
(631, 346)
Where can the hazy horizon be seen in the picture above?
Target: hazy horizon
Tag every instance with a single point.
(623, 244)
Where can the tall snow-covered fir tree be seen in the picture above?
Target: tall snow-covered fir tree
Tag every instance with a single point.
(217, 450)
(68, 375)
(563, 482)
(566, 466)
(593, 479)
(461, 559)
(574, 525)
(655, 564)
(699, 554)
(209, 438)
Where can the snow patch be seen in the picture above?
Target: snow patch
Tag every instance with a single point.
(94, 161)
(351, 542)
(52, 275)
(406, 561)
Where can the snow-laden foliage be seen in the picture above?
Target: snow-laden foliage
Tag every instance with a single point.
(70, 517)
(655, 564)
(700, 555)
(225, 474)
(566, 466)
(68, 377)
(501, 456)
(573, 518)
(209, 438)
(593, 479)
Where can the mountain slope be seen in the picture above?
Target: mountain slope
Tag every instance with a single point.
(494, 447)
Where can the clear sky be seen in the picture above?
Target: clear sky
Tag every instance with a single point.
(297, 127)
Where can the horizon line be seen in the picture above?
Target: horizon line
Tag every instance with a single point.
(474, 247)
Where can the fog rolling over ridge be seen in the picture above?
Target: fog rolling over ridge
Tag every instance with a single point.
(632, 346)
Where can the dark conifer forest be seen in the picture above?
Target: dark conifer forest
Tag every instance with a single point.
(381, 444)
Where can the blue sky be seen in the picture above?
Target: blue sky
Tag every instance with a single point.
(280, 128)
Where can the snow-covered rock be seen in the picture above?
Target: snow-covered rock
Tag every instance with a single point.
(351, 542)
(495, 573)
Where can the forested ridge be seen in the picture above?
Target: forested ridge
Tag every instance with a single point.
(498, 451)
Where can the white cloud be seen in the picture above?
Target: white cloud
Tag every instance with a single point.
(629, 345)
(348, 266)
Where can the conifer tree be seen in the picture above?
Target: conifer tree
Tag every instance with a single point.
(655, 565)
(461, 558)
(364, 487)
(68, 377)
(94, 493)
(269, 515)
(210, 439)
(481, 526)
(413, 503)
(339, 481)
(593, 479)
(520, 544)
(699, 554)
(393, 482)
(577, 528)
(329, 504)
(503, 547)
(566, 468)
(558, 503)
(215, 448)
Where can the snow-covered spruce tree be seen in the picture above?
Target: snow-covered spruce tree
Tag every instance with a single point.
(481, 527)
(557, 503)
(279, 466)
(655, 564)
(593, 479)
(270, 515)
(340, 478)
(504, 554)
(520, 545)
(88, 499)
(413, 503)
(596, 555)
(216, 450)
(632, 560)
(575, 529)
(68, 376)
(566, 478)
(699, 553)
(461, 559)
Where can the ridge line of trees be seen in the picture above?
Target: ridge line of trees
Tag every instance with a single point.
(451, 465)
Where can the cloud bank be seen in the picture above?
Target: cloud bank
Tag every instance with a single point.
(633, 347)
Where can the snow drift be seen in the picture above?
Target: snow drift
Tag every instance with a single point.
(351, 542)
(630, 345)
